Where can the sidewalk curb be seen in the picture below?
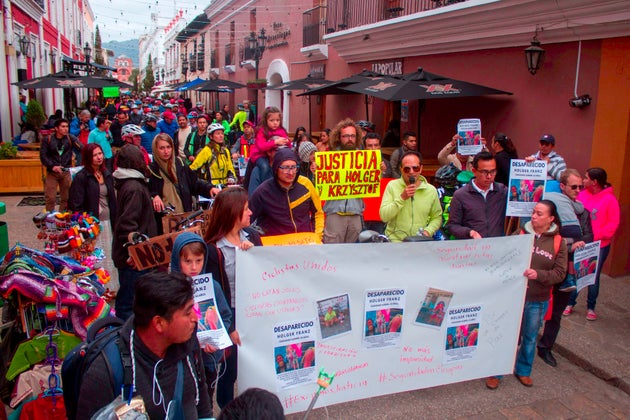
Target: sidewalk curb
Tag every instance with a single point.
(587, 365)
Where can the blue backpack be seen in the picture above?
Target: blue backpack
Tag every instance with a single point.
(103, 337)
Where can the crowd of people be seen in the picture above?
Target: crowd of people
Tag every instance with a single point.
(173, 154)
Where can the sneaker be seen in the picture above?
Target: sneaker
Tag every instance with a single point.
(568, 310)
(568, 285)
(591, 315)
(492, 382)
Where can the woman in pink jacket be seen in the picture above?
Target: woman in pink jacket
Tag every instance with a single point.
(599, 200)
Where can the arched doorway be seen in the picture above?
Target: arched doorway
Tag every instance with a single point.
(278, 72)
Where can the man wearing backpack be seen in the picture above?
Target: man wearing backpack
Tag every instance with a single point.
(164, 351)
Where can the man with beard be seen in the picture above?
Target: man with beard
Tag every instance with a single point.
(344, 217)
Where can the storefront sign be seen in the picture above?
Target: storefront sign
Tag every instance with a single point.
(389, 68)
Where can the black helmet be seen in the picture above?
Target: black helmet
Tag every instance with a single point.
(447, 174)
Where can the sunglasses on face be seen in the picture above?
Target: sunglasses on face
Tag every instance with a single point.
(409, 169)
(575, 187)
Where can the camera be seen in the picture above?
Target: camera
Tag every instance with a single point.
(580, 101)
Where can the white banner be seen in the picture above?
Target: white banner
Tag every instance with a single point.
(372, 314)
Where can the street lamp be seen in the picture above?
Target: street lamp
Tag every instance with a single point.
(257, 47)
(25, 45)
(87, 52)
(534, 55)
(162, 76)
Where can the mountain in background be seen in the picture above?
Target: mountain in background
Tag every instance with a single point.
(128, 48)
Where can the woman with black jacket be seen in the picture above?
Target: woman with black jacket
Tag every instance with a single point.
(92, 191)
(133, 200)
(228, 232)
(172, 181)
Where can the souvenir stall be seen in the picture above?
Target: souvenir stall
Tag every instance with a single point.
(49, 300)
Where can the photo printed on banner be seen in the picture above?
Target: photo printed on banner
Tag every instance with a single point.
(334, 316)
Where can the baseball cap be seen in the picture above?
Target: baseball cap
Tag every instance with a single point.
(252, 124)
(168, 114)
(548, 138)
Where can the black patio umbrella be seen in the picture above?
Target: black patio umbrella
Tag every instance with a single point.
(421, 85)
(67, 80)
(301, 84)
(336, 88)
(217, 85)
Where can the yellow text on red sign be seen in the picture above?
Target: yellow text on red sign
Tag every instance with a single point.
(348, 174)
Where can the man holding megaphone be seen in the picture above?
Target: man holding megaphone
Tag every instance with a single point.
(410, 204)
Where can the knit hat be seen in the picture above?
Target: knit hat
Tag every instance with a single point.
(305, 150)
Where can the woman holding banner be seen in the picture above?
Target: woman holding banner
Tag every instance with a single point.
(228, 232)
(548, 267)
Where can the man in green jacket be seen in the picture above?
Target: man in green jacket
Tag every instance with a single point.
(410, 204)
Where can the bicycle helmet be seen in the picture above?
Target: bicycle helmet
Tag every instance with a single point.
(366, 125)
(214, 127)
(150, 117)
(192, 115)
(131, 130)
(447, 174)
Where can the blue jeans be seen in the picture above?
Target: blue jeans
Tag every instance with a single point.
(124, 297)
(533, 314)
(593, 289)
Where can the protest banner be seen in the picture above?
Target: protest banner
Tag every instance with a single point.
(470, 132)
(585, 261)
(526, 186)
(323, 295)
(348, 174)
(301, 238)
(157, 250)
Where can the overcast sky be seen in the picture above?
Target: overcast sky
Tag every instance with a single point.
(128, 19)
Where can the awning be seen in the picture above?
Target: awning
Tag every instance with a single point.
(92, 64)
(193, 28)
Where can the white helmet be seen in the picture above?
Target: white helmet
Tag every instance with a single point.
(131, 129)
(214, 127)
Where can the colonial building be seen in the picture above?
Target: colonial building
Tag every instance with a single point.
(36, 37)
(123, 66)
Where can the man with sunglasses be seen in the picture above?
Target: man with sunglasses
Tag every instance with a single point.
(410, 204)
(577, 231)
(478, 208)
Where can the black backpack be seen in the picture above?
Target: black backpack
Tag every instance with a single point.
(103, 337)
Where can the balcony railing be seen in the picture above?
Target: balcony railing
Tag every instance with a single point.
(346, 14)
(229, 54)
(313, 26)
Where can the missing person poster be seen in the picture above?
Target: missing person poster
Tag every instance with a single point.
(470, 132)
(526, 186)
(294, 353)
(383, 317)
(462, 333)
(348, 174)
(585, 261)
(434, 307)
(210, 328)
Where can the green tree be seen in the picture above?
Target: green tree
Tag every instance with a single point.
(135, 73)
(149, 78)
(98, 53)
(35, 114)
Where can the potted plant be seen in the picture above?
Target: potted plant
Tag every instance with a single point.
(8, 150)
(35, 116)
(257, 84)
